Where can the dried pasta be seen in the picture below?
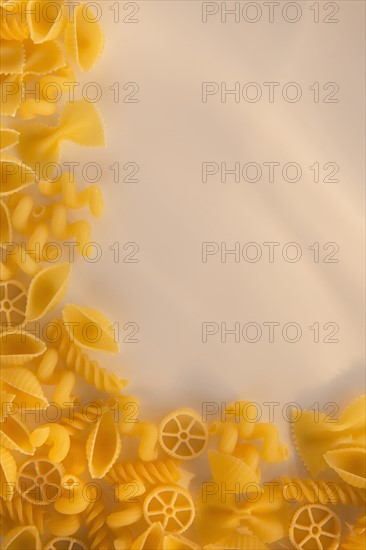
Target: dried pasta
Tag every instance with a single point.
(59, 474)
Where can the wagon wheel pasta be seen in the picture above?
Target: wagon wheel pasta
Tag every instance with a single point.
(183, 435)
(315, 526)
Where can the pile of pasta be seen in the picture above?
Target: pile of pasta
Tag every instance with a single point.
(78, 474)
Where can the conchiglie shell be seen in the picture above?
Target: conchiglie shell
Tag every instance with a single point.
(171, 542)
(231, 470)
(8, 138)
(46, 290)
(8, 474)
(25, 386)
(238, 542)
(151, 538)
(5, 225)
(45, 23)
(15, 175)
(84, 38)
(22, 538)
(103, 446)
(350, 465)
(92, 330)
(19, 347)
(6, 407)
(14, 435)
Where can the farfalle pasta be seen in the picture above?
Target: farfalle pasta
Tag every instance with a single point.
(96, 475)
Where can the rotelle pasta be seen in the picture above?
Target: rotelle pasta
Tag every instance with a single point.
(96, 474)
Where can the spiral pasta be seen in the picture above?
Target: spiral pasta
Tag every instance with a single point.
(153, 473)
(19, 512)
(95, 517)
(82, 365)
(324, 492)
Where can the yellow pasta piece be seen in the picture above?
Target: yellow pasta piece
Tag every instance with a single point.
(46, 290)
(78, 361)
(75, 462)
(356, 539)
(148, 433)
(127, 515)
(103, 446)
(183, 435)
(8, 138)
(8, 474)
(324, 492)
(41, 59)
(55, 435)
(5, 225)
(45, 19)
(11, 57)
(12, 21)
(91, 196)
(315, 526)
(153, 473)
(63, 526)
(151, 538)
(84, 37)
(15, 175)
(67, 543)
(237, 542)
(28, 392)
(10, 93)
(17, 511)
(95, 518)
(350, 465)
(39, 481)
(90, 329)
(14, 434)
(232, 471)
(13, 299)
(179, 543)
(21, 538)
(72, 500)
(314, 435)
(6, 407)
(170, 505)
(80, 123)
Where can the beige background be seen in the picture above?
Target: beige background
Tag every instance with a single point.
(170, 212)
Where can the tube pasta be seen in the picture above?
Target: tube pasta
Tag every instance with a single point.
(55, 435)
(66, 186)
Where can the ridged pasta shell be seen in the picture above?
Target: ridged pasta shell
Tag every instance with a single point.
(84, 37)
(21, 538)
(92, 330)
(170, 542)
(103, 445)
(238, 542)
(5, 225)
(151, 538)
(14, 435)
(19, 347)
(231, 470)
(25, 386)
(6, 400)
(14, 175)
(8, 138)
(8, 474)
(350, 465)
(46, 290)
(45, 23)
